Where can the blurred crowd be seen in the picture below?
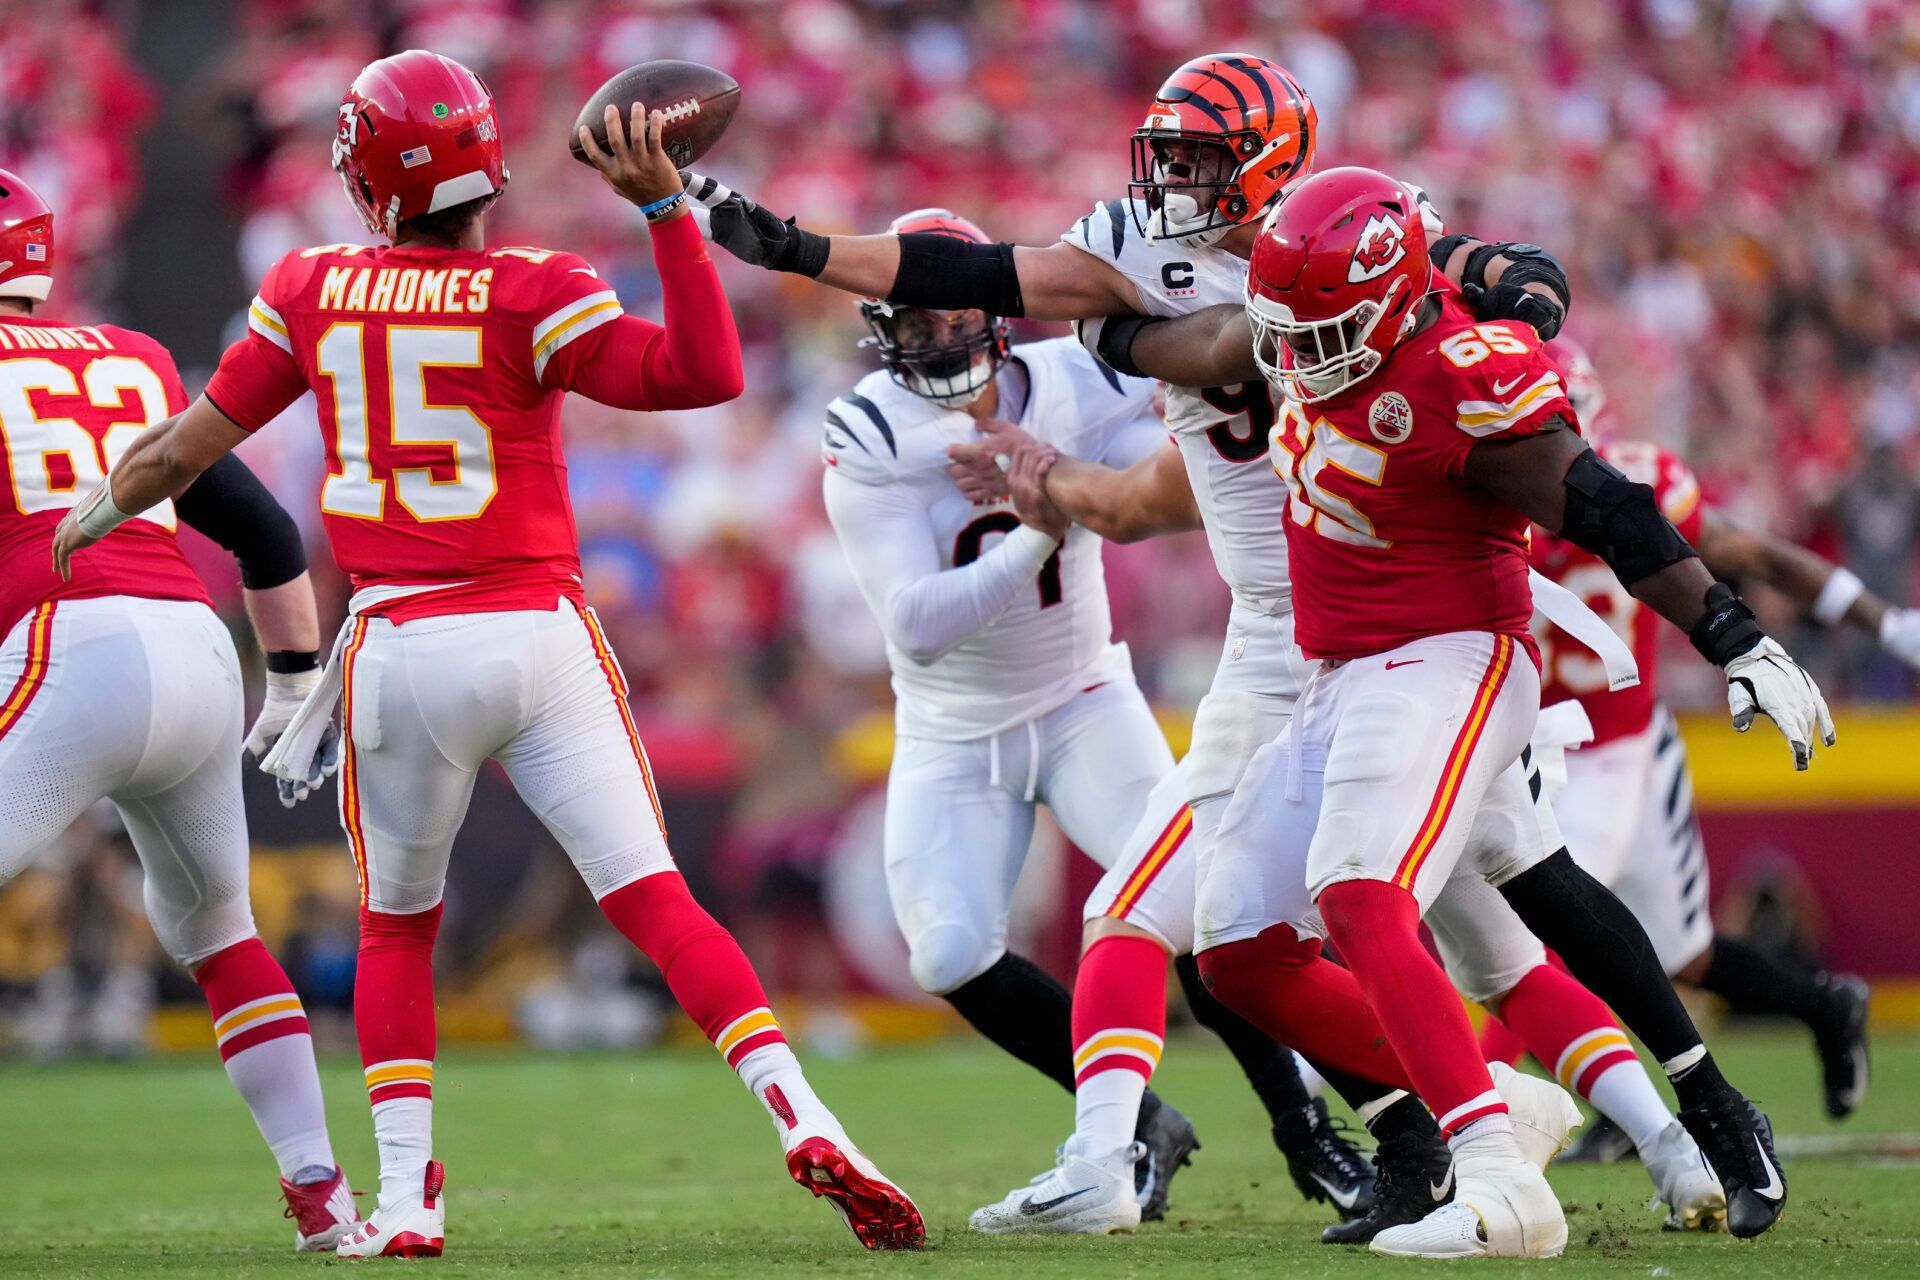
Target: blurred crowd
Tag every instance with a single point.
(1734, 184)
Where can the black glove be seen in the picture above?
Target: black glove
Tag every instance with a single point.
(1508, 301)
(755, 235)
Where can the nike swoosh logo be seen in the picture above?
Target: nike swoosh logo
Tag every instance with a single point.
(1033, 1208)
(1774, 1189)
(1502, 390)
(1344, 1199)
(1404, 662)
(1444, 1188)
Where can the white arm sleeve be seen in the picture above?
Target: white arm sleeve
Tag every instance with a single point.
(923, 609)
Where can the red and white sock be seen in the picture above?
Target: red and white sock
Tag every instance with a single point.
(394, 1018)
(1119, 1029)
(268, 1052)
(1283, 985)
(1376, 925)
(1570, 1030)
(716, 985)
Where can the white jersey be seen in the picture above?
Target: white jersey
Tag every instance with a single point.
(1222, 431)
(1028, 626)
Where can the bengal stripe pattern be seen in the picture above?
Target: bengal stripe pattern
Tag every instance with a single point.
(1487, 1104)
(754, 1029)
(34, 673)
(1458, 758)
(1591, 1056)
(399, 1078)
(617, 682)
(257, 1021)
(1168, 843)
(350, 817)
(1131, 1048)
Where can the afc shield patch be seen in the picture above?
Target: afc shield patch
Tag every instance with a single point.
(1391, 418)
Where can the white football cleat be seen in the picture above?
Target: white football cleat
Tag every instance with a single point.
(414, 1227)
(1686, 1181)
(1078, 1196)
(1544, 1115)
(322, 1212)
(822, 1159)
(1502, 1208)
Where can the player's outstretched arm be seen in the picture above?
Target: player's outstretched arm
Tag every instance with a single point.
(1832, 594)
(162, 461)
(1557, 481)
(1144, 500)
(1058, 282)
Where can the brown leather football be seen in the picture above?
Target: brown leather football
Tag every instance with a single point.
(699, 102)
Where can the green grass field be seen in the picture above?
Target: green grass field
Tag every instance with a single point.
(659, 1166)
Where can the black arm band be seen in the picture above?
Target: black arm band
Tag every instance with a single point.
(1442, 250)
(950, 274)
(1115, 347)
(230, 505)
(289, 662)
(1728, 629)
(1619, 521)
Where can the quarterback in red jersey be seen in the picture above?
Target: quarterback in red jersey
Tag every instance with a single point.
(118, 682)
(1627, 809)
(440, 366)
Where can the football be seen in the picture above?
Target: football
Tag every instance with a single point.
(699, 102)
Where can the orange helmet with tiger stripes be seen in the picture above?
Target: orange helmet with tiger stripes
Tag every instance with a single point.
(1226, 136)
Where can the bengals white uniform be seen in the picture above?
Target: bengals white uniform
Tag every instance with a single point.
(1009, 688)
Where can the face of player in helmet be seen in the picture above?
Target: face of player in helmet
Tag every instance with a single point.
(1313, 360)
(947, 357)
(1185, 179)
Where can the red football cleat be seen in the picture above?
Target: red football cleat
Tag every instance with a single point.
(322, 1212)
(880, 1215)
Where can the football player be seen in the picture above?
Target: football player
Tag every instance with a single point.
(1415, 441)
(440, 366)
(1627, 810)
(1224, 138)
(1010, 693)
(117, 681)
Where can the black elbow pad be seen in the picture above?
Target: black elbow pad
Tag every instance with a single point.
(947, 273)
(230, 505)
(1619, 521)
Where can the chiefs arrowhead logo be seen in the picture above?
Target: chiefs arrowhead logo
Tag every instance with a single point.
(1382, 244)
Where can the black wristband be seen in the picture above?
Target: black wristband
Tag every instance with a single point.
(291, 662)
(1116, 342)
(804, 253)
(1728, 629)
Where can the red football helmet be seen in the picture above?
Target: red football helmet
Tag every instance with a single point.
(1336, 280)
(1225, 137)
(26, 241)
(947, 357)
(417, 135)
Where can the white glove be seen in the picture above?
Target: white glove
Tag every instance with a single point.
(286, 692)
(1900, 635)
(1765, 681)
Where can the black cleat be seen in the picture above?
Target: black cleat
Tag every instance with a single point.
(1602, 1142)
(1737, 1139)
(1842, 1043)
(1324, 1164)
(1413, 1176)
(1170, 1143)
